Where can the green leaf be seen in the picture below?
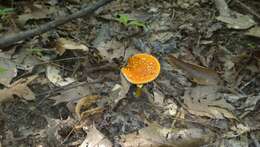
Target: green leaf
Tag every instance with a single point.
(137, 23)
(2, 70)
(123, 19)
(36, 51)
(4, 11)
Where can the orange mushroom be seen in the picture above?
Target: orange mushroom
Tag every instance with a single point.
(141, 69)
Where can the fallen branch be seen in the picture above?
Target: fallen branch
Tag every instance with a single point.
(11, 39)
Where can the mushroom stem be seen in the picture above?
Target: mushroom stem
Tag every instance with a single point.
(138, 91)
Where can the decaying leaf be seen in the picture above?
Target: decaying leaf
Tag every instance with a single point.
(207, 101)
(222, 7)
(24, 60)
(35, 12)
(72, 94)
(155, 135)
(53, 74)
(54, 125)
(119, 91)
(255, 31)
(7, 71)
(233, 19)
(63, 44)
(111, 49)
(95, 139)
(85, 103)
(240, 21)
(158, 97)
(196, 73)
(19, 88)
(250, 103)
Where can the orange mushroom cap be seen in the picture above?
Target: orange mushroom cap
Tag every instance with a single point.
(141, 68)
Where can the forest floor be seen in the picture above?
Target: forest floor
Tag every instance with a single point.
(64, 87)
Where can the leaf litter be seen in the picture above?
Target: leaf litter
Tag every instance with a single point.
(214, 88)
(20, 89)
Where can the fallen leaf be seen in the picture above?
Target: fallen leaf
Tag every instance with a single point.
(53, 74)
(207, 101)
(7, 71)
(255, 31)
(63, 44)
(24, 60)
(240, 21)
(250, 103)
(155, 135)
(158, 96)
(35, 12)
(19, 88)
(55, 125)
(108, 47)
(111, 49)
(119, 92)
(222, 7)
(95, 139)
(233, 19)
(196, 73)
(72, 94)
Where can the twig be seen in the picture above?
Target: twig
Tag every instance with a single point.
(248, 9)
(11, 39)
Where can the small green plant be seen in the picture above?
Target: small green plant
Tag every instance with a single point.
(36, 51)
(137, 23)
(126, 21)
(252, 46)
(5, 11)
(2, 70)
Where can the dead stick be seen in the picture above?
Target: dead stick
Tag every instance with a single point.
(11, 39)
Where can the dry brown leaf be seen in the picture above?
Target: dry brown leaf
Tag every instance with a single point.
(196, 73)
(63, 44)
(207, 101)
(95, 139)
(85, 103)
(19, 88)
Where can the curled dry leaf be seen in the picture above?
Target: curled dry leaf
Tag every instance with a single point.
(7, 71)
(85, 104)
(196, 73)
(95, 139)
(19, 88)
(63, 44)
(53, 74)
(207, 101)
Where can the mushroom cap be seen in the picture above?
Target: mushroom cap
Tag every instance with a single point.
(141, 68)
